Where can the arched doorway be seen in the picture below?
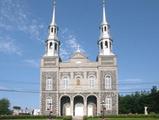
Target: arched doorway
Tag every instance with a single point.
(91, 105)
(78, 106)
(65, 106)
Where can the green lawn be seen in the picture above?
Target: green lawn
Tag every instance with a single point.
(32, 119)
(133, 119)
(126, 119)
(98, 119)
(29, 119)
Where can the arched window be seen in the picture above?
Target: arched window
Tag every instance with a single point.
(66, 81)
(52, 30)
(101, 45)
(55, 46)
(92, 81)
(108, 103)
(49, 84)
(106, 44)
(78, 81)
(55, 30)
(105, 28)
(49, 104)
(108, 81)
(110, 45)
(50, 45)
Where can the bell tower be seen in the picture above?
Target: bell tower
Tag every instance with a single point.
(107, 67)
(52, 42)
(105, 41)
(49, 69)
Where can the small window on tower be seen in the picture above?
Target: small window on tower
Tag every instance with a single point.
(110, 45)
(105, 28)
(101, 45)
(55, 30)
(55, 46)
(52, 30)
(106, 44)
(50, 45)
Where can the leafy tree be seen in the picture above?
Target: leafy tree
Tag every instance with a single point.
(135, 103)
(154, 100)
(4, 106)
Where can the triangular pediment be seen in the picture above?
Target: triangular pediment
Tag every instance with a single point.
(78, 55)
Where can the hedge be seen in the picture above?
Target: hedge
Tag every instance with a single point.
(34, 117)
(124, 116)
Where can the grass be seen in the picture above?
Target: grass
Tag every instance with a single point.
(33, 119)
(133, 119)
(100, 119)
(125, 119)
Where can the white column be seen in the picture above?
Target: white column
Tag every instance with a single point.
(85, 107)
(59, 107)
(98, 106)
(71, 107)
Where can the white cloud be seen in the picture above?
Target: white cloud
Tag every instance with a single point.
(3, 88)
(15, 17)
(63, 53)
(70, 44)
(131, 85)
(32, 62)
(33, 29)
(8, 46)
(131, 80)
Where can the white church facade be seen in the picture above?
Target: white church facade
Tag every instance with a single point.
(79, 86)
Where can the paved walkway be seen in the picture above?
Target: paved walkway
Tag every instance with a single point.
(77, 118)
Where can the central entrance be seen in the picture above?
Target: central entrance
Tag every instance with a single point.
(79, 109)
(78, 106)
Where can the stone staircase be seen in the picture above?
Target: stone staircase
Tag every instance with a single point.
(77, 118)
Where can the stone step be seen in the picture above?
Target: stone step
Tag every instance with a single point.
(77, 118)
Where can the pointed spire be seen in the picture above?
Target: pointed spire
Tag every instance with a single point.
(78, 48)
(54, 12)
(104, 15)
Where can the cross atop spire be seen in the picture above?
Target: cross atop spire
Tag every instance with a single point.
(104, 15)
(53, 13)
(78, 48)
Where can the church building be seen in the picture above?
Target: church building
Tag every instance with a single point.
(79, 86)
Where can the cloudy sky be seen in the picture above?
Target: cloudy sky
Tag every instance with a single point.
(23, 31)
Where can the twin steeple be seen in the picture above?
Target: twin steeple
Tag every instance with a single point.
(52, 43)
(104, 42)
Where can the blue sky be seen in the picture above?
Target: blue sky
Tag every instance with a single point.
(23, 30)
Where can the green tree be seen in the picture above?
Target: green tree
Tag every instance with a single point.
(154, 100)
(4, 106)
(135, 103)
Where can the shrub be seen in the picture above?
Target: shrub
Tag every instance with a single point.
(67, 118)
(124, 116)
